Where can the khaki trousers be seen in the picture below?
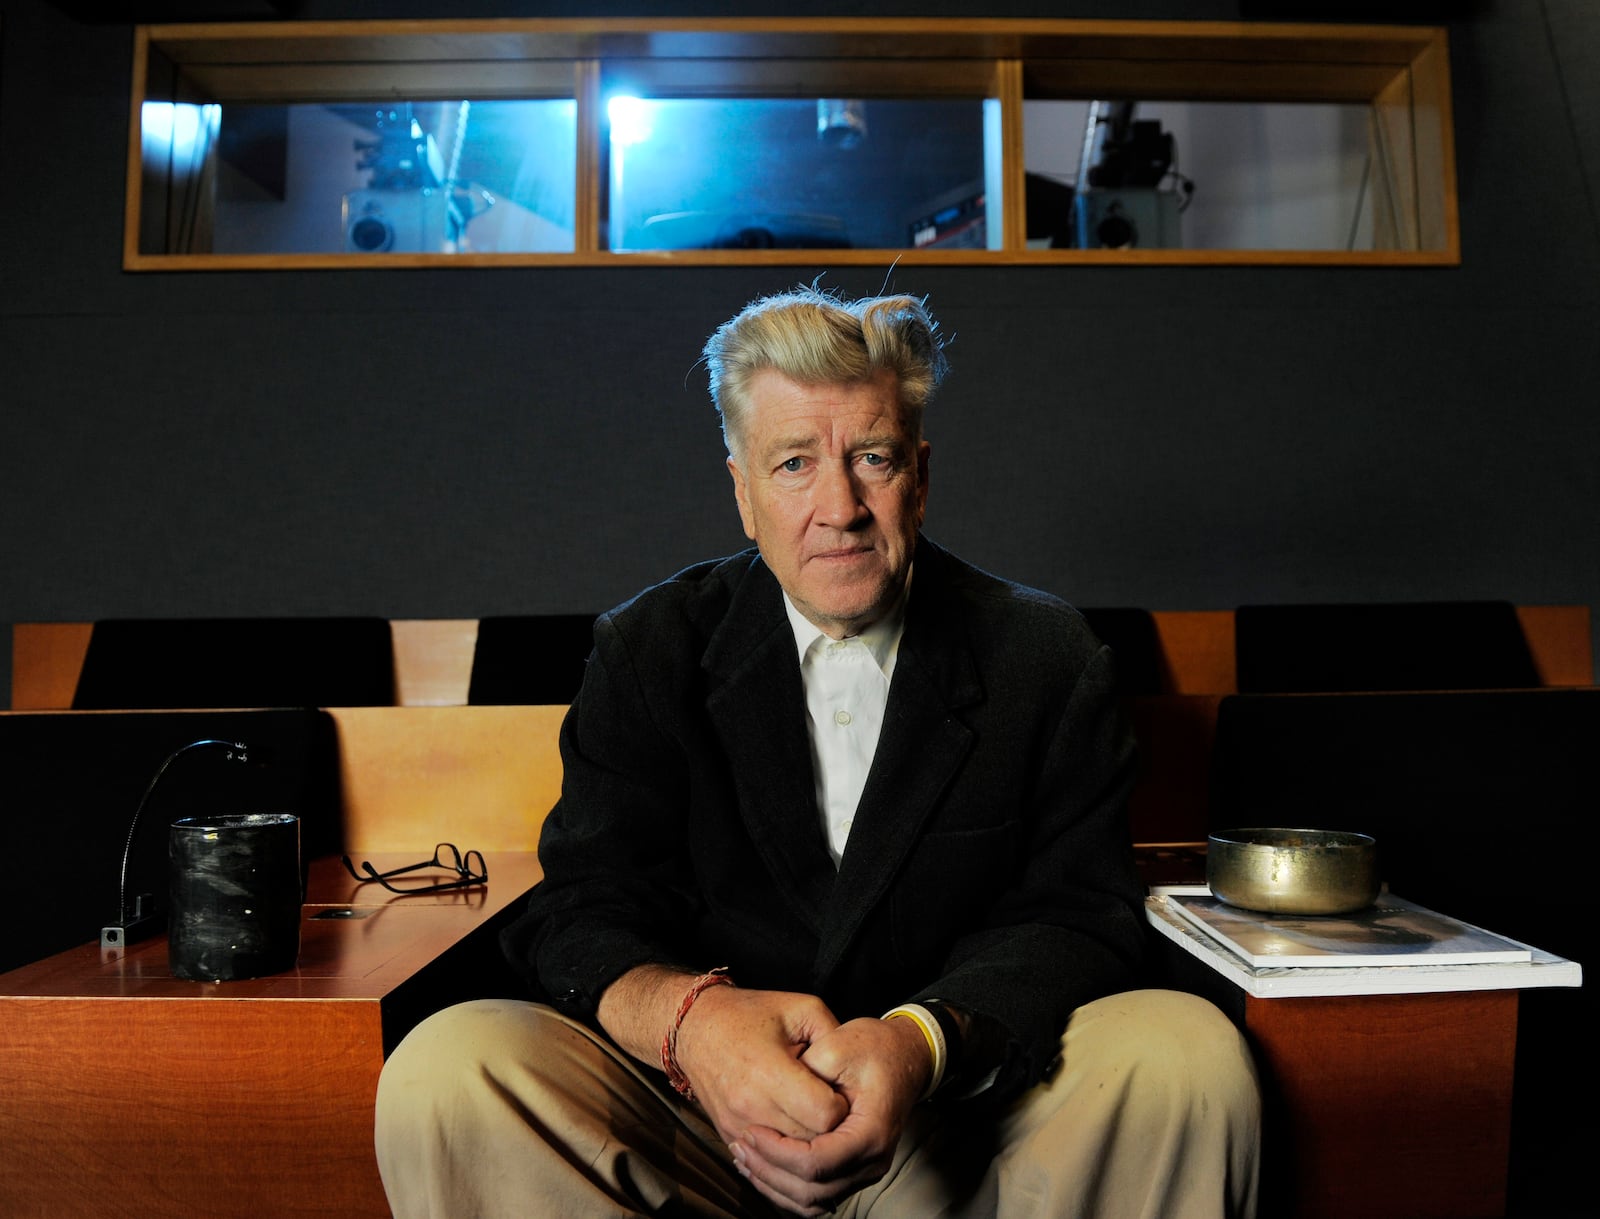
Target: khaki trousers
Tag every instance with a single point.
(502, 1108)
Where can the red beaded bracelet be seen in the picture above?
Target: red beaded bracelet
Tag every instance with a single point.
(669, 1043)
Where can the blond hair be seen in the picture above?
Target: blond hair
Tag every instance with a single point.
(815, 338)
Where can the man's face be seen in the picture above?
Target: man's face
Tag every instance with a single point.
(832, 489)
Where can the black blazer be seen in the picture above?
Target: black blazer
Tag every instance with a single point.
(990, 862)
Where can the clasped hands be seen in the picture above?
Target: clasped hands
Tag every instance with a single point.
(811, 1109)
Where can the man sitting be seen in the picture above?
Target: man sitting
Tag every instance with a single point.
(840, 910)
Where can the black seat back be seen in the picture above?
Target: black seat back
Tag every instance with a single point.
(1444, 645)
(137, 663)
(1131, 635)
(532, 659)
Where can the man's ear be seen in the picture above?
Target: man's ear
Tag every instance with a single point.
(741, 496)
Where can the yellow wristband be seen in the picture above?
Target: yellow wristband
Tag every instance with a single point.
(931, 1033)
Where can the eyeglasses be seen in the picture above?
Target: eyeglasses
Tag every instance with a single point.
(469, 869)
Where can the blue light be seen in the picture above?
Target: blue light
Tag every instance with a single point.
(179, 126)
(631, 120)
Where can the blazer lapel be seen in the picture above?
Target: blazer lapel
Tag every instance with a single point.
(757, 708)
(922, 746)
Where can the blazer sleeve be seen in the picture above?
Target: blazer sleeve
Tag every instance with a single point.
(615, 892)
(1070, 929)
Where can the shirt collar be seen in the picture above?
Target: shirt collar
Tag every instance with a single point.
(881, 639)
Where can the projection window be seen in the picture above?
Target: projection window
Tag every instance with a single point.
(823, 173)
(1214, 176)
(425, 177)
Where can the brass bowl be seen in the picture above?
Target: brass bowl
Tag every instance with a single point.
(1287, 871)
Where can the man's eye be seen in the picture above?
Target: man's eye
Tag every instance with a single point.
(793, 466)
(874, 459)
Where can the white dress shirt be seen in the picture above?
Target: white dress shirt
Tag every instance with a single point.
(847, 686)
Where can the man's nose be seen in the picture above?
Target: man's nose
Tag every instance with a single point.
(839, 502)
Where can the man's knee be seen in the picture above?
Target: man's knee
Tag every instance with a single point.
(445, 1070)
(1178, 1050)
(463, 1028)
(458, 1038)
(1194, 1037)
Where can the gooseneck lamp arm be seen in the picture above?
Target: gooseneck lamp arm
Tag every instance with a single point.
(141, 922)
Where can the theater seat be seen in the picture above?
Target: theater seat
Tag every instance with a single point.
(530, 659)
(1444, 645)
(144, 663)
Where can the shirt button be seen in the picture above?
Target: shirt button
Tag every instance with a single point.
(842, 718)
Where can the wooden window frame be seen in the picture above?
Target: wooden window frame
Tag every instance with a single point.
(1402, 72)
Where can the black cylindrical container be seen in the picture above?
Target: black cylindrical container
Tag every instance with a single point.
(235, 896)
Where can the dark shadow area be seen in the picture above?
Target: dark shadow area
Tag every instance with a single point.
(71, 784)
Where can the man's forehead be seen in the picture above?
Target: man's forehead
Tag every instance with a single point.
(821, 426)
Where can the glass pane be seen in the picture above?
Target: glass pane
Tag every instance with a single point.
(392, 177)
(1207, 176)
(798, 174)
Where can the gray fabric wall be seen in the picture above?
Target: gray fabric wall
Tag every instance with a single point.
(469, 442)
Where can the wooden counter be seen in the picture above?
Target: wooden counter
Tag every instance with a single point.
(1387, 1088)
(128, 1092)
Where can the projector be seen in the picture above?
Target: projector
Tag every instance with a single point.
(1126, 219)
(395, 221)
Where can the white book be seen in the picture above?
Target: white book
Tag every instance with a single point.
(1392, 931)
